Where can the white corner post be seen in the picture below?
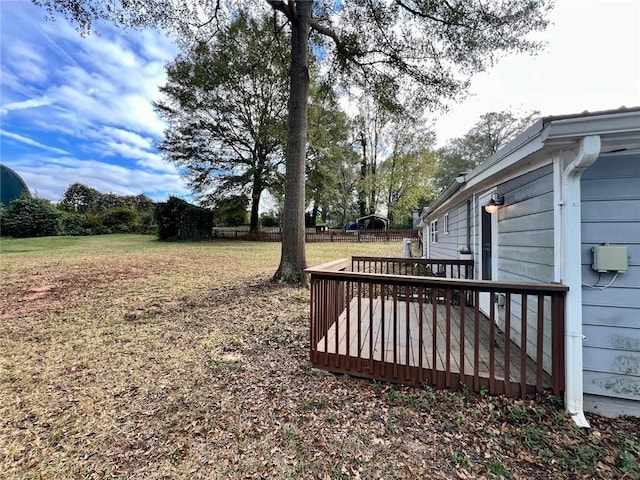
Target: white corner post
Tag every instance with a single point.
(426, 238)
(423, 233)
(571, 246)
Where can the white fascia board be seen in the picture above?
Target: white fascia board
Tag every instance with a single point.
(488, 173)
(460, 184)
(500, 171)
(612, 128)
(508, 162)
(615, 130)
(450, 191)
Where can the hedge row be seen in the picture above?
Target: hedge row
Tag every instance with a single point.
(38, 217)
(172, 220)
(179, 220)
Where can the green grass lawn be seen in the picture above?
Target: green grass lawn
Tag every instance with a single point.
(65, 248)
(124, 357)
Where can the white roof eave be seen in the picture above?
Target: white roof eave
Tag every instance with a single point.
(618, 130)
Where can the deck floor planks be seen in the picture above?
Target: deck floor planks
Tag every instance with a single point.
(395, 327)
(371, 333)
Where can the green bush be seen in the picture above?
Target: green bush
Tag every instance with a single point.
(269, 220)
(122, 220)
(231, 212)
(147, 224)
(179, 220)
(31, 217)
(78, 224)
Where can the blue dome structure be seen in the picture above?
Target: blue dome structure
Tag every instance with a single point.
(12, 186)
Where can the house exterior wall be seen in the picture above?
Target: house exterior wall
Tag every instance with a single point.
(532, 245)
(456, 235)
(525, 248)
(525, 227)
(611, 317)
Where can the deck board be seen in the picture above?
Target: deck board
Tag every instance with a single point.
(378, 323)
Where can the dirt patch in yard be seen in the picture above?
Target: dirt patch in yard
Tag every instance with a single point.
(170, 368)
(53, 286)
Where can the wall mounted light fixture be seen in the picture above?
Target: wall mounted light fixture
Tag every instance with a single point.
(493, 204)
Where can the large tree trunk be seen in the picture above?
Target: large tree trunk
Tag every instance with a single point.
(362, 194)
(256, 193)
(293, 260)
(325, 213)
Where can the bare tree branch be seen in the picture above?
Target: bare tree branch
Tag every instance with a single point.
(281, 7)
(418, 13)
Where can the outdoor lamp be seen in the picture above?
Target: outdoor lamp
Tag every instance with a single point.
(494, 203)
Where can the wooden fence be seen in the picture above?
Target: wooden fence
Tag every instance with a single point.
(312, 236)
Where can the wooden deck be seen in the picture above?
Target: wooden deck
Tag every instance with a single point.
(369, 329)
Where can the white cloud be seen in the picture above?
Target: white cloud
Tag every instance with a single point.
(143, 158)
(110, 85)
(59, 48)
(25, 58)
(33, 143)
(49, 178)
(110, 78)
(31, 103)
(93, 96)
(127, 137)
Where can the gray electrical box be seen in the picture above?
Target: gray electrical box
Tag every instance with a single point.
(610, 258)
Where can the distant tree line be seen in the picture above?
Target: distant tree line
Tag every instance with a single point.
(391, 165)
(81, 211)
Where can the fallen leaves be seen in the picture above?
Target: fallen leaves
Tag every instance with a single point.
(186, 362)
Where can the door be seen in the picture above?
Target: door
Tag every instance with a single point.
(487, 247)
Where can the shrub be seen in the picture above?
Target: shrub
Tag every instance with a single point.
(231, 212)
(179, 220)
(269, 220)
(31, 217)
(122, 220)
(147, 224)
(83, 224)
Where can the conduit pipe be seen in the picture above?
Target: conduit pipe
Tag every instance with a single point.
(571, 243)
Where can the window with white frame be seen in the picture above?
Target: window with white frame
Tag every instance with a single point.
(434, 231)
(445, 224)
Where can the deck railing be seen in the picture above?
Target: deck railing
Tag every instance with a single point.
(495, 336)
(447, 268)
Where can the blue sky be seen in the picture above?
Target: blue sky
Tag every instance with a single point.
(76, 109)
(591, 62)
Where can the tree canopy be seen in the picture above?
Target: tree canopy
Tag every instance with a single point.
(403, 52)
(492, 131)
(225, 104)
(406, 174)
(330, 156)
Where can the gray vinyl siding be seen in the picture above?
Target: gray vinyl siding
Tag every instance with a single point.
(525, 249)
(475, 240)
(611, 317)
(525, 228)
(448, 243)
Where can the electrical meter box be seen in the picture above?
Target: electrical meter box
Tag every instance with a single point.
(610, 258)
